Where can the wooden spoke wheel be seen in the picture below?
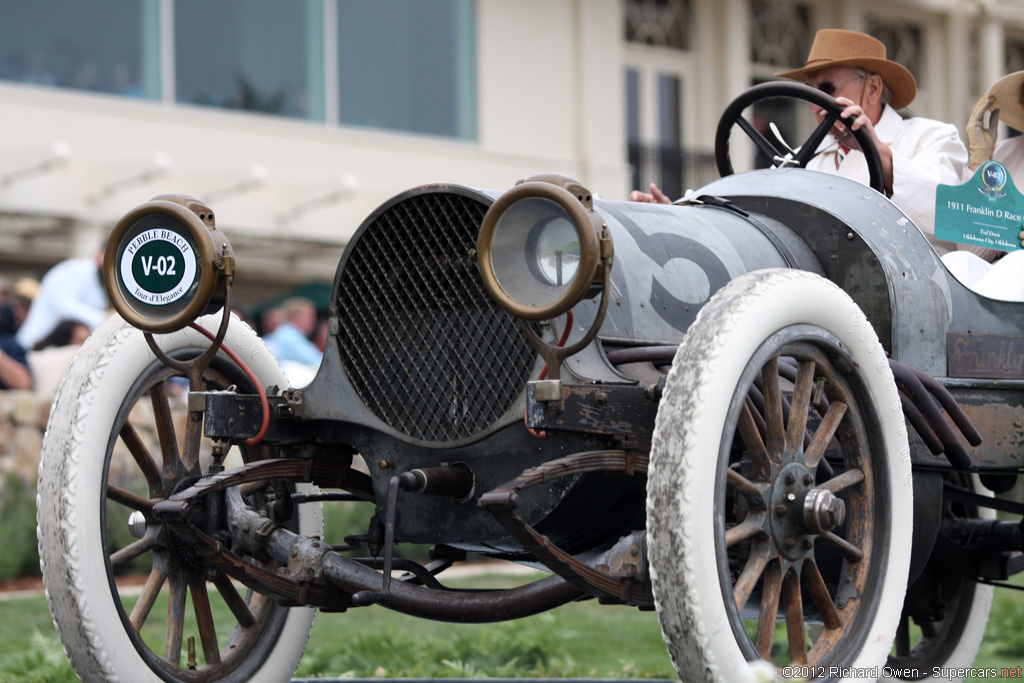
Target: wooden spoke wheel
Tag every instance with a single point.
(779, 501)
(100, 476)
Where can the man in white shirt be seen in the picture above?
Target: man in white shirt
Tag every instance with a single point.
(917, 154)
(71, 290)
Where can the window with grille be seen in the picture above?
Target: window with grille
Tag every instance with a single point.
(659, 23)
(904, 43)
(780, 34)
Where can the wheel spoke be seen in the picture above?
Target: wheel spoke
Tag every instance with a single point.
(752, 571)
(773, 408)
(751, 435)
(142, 457)
(751, 526)
(820, 595)
(797, 426)
(823, 435)
(234, 601)
(848, 550)
(154, 582)
(763, 144)
(741, 484)
(809, 149)
(794, 618)
(165, 430)
(204, 620)
(770, 593)
(843, 481)
(128, 499)
(175, 618)
(131, 551)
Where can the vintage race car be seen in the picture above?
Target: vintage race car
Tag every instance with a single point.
(768, 412)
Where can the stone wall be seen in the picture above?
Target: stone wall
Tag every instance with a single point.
(22, 421)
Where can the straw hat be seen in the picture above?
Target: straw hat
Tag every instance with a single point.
(26, 287)
(838, 47)
(1009, 94)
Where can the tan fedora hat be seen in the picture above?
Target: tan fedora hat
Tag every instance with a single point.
(838, 47)
(1009, 94)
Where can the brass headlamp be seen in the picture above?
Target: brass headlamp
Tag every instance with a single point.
(540, 247)
(166, 264)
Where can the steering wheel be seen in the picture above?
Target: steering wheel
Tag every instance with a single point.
(733, 115)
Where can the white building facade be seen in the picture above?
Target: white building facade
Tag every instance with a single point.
(294, 119)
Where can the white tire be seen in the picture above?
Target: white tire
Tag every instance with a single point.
(76, 508)
(720, 539)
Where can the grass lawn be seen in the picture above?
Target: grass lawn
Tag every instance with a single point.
(577, 640)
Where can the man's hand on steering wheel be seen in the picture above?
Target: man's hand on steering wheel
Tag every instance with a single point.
(834, 112)
(855, 113)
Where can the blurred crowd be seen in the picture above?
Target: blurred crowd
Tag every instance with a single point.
(44, 322)
(296, 335)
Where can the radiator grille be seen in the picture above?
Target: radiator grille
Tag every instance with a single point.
(426, 348)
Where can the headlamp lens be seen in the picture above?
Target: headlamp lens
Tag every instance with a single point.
(535, 251)
(556, 251)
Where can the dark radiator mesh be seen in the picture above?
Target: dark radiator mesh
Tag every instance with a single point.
(426, 348)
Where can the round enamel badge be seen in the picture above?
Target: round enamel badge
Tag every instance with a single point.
(158, 267)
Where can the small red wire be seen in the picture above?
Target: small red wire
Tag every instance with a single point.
(544, 371)
(264, 403)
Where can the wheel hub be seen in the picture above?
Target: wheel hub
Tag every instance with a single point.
(822, 511)
(180, 547)
(801, 512)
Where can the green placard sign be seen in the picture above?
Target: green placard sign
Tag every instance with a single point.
(986, 211)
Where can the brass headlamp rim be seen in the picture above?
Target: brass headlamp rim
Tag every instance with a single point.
(588, 226)
(210, 274)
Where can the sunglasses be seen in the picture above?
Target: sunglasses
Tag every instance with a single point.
(830, 88)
